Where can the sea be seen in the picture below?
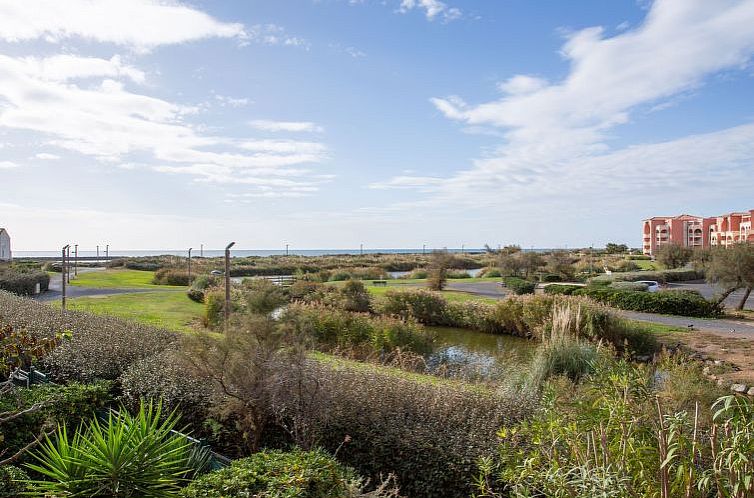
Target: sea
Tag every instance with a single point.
(213, 253)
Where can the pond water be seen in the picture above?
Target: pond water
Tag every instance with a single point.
(477, 353)
(398, 274)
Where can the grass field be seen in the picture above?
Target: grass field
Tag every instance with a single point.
(169, 309)
(110, 279)
(447, 294)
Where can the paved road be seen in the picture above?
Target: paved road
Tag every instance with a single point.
(486, 289)
(709, 291)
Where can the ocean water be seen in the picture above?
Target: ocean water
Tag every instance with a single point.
(212, 253)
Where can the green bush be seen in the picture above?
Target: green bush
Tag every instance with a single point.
(23, 283)
(277, 474)
(263, 296)
(123, 456)
(519, 285)
(333, 328)
(629, 286)
(563, 289)
(12, 482)
(458, 274)
(355, 297)
(681, 275)
(683, 303)
(167, 276)
(424, 306)
(431, 433)
(68, 404)
(490, 272)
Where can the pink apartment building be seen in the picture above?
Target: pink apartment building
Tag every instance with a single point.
(695, 231)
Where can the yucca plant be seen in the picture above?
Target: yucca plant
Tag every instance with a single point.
(124, 456)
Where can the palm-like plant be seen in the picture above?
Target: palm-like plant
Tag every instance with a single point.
(124, 456)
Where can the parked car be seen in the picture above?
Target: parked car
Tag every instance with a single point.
(652, 285)
(216, 273)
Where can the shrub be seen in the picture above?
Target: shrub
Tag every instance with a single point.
(23, 283)
(99, 346)
(332, 328)
(551, 277)
(167, 377)
(519, 286)
(629, 286)
(45, 406)
(273, 473)
(490, 272)
(684, 303)
(123, 456)
(12, 482)
(422, 305)
(199, 285)
(355, 297)
(166, 276)
(263, 296)
(563, 289)
(417, 274)
(195, 295)
(431, 433)
(682, 275)
(458, 274)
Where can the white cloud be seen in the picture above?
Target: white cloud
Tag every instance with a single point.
(8, 165)
(272, 34)
(68, 67)
(290, 126)
(47, 156)
(432, 8)
(555, 134)
(226, 101)
(408, 182)
(140, 24)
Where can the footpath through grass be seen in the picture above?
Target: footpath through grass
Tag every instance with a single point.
(170, 310)
(112, 279)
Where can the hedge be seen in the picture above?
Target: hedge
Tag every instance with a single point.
(519, 285)
(24, 283)
(684, 303)
(562, 289)
(272, 473)
(679, 275)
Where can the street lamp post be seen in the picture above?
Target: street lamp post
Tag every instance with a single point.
(227, 284)
(63, 253)
(201, 250)
(97, 254)
(68, 266)
(189, 266)
(286, 249)
(107, 251)
(75, 260)
(424, 248)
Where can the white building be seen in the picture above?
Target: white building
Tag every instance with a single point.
(5, 254)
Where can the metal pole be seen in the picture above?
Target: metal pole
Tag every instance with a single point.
(201, 250)
(107, 251)
(361, 249)
(189, 266)
(227, 284)
(76, 260)
(424, 248)
(463, 249)
(98, 254)
(68, 265)
(63, 275)
(286, 249)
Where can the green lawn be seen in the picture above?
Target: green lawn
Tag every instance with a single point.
(109, 279)
(645, 264)
(168, 309)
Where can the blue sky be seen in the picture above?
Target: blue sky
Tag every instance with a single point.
(393, 123)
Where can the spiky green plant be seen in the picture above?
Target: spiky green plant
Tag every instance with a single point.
(124, 456)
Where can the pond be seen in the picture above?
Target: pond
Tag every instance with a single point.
(477, 353)
(398, 274)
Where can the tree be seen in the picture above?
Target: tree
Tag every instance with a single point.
(732, 268)
(674, 255)
(438, 270)
(613, 248)
(561, 263)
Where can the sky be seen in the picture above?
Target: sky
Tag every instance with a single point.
(148, 124)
